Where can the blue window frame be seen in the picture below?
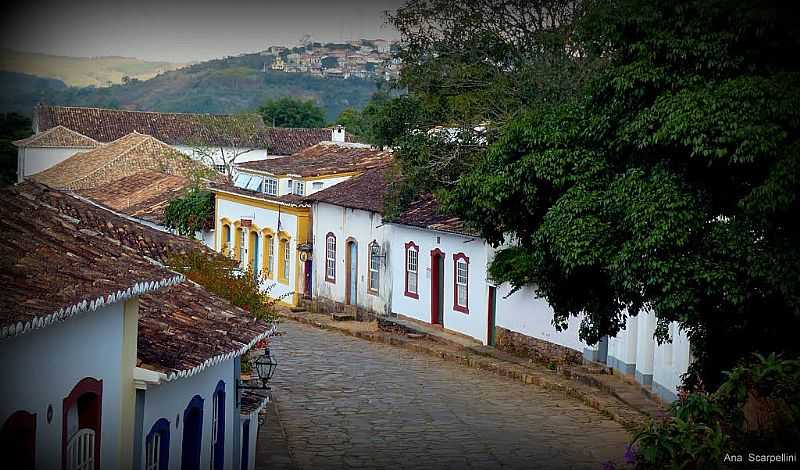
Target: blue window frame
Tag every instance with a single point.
(157, 446)
(192, 434)
(218, 428)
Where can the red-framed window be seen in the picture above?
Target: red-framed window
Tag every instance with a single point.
(412, 270)
(461, 283)
(330, 257)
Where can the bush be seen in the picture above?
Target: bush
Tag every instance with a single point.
(755, 410)
(190, 213)
(221, 277)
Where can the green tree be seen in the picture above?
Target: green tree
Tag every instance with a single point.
(669, 181)
(292, 112)
(13, 127)
(191, 212)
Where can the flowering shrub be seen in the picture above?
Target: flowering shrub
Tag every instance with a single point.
(221, 277)
(755, 410)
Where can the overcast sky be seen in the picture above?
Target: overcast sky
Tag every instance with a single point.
(184, 30)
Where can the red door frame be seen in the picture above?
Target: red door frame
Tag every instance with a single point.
(490, 316)
(437, 261)
(87, 385)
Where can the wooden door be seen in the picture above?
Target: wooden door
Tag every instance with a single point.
(351, 294)
(491, 335)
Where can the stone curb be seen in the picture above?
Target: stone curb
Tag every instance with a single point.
(594, 397)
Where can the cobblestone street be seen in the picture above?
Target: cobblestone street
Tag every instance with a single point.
(350, 403)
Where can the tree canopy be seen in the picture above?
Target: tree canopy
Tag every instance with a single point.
(664, 176)
(292, 112)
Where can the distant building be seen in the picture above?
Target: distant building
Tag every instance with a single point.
(43, 150)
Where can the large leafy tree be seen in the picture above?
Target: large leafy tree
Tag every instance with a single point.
(292, 112)
(670, 181)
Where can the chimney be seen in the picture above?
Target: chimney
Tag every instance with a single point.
(337, 135)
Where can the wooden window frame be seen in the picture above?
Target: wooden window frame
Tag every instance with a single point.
(268, 253)
(373, 289)
(330, 236)
(460, 257)
(284, 247)
(409, 247)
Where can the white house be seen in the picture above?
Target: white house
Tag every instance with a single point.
(351, 244)
(263, 221)
(125, 381)
(440, 271)
(43, 150)
(427, 266)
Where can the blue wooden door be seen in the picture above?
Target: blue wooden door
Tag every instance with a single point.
(192, 434)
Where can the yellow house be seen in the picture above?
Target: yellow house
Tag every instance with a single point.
(263, 220)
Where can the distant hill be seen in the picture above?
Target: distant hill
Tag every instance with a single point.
(229, 85)
(82, 71)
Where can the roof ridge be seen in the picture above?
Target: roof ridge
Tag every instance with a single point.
(134, 111)
(146, 138)
(35, 137)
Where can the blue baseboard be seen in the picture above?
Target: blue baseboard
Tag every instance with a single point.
(644, 379)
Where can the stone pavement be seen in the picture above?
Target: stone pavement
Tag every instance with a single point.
(349, 403)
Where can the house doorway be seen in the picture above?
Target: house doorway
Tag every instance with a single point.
(491, 333)
(351, 278)
(437, 287)
(192, 434)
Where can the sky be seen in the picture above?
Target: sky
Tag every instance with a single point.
(183, 30)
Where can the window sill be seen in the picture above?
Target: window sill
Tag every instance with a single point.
(459, 308)
(412, 295)
(331, 280)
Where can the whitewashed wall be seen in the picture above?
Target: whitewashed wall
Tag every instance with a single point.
(524, 312)
(474, 323)
(42, 367)
(32, 160)
(265, 218)
(169, 401)
(364, 227)
(216, 155)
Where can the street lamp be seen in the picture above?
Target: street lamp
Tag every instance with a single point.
(265, 367)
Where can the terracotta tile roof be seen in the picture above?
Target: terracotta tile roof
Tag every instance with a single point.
(426, 213)
(58, 250)
(253, 401)
(58, 137)
(143, 195)
(123, 157)
(365, 191)
(185, 327)
(326, 158)
(288, 199)
(107, 125)
(287, 141)
(52, 261)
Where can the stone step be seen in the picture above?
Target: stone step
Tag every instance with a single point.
(343, 316)
(297, 309)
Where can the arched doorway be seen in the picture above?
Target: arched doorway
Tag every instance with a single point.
(18, 441)
(81, 419)
(192, 434)
(351, 275)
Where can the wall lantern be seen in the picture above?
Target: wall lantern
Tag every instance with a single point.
(264, 366)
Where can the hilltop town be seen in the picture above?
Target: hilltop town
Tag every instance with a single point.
(366, 59)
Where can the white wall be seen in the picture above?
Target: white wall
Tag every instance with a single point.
(524, 312)
(472, 324)
(251, 459)
(169, 400)
(32, 160)
(42, 367)
(253, 155)
(265, 218)
(363, 227)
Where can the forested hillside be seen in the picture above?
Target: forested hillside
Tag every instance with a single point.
(226, 85)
